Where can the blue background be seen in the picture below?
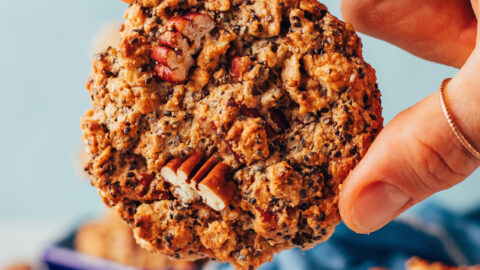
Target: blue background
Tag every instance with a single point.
(45, 58)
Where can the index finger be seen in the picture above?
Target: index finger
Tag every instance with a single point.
(443, 31)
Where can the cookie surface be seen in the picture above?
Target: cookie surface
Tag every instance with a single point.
(224, 129)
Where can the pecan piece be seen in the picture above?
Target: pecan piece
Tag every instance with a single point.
(181, 41)
(172, 66)
(185, 170)
(202, 25)
(208, 183)
(239, 66)
(145, 180)
(279, 119)
(206, 167)
(169, 75)
(173, 40)
(182, 25)
(266, 216)
(170, 173)
(255, 113)
(186, 194)
(215, 190)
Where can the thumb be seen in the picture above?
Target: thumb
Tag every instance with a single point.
(475, 7)
(415, 156)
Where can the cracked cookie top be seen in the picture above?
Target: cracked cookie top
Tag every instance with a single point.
(224, 128)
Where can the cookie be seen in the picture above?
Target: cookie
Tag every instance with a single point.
(19, 266)
(416, 263)
(113, 240)
(224, 129)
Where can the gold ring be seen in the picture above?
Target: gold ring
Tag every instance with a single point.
(466, 144)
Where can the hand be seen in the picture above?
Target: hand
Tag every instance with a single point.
(417, 154)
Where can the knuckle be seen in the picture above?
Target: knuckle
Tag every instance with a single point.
(354, 11)
(434, 169)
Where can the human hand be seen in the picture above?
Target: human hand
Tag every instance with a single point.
(417, 154)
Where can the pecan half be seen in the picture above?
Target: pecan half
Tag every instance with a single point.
(215, 190)
(178, 45)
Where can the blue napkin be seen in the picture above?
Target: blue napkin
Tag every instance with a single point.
(432, 233)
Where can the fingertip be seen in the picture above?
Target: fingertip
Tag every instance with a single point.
(375, 205)
(344, 206)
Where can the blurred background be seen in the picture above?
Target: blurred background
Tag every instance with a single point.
(45, 58)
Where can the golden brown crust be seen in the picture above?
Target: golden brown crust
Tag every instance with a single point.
(277, 91)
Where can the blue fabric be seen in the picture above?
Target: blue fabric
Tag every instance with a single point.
(432, 233)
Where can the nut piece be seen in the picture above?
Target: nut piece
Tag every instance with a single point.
(279, 119)
(171, 66)
(255, 113)
(169, 75)
(173, 40)
(182, 25)
(167, 57)
(215, 191)
(202, 25)
(182, 40)
(169, 171)
(185, 170)
(239, 66)
(145, 180)
(206, 167)
(186, 194)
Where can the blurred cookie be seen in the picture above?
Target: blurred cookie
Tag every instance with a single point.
(416, 263)
(113, 240)
(107, 35)
(19, 266)
(224, 129)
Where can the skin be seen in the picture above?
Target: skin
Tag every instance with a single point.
(417, 154)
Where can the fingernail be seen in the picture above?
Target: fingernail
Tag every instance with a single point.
(376, 205)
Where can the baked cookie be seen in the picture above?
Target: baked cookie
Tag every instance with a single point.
(224, 129)
(113, 240)
(416, 263)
